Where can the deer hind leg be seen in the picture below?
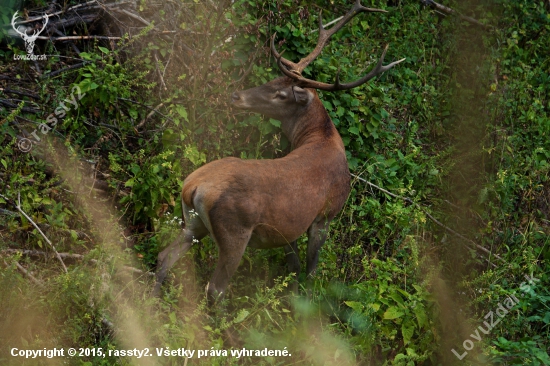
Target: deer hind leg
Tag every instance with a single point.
(231, 248)
(293, 261)
(194, 230)
(316, 236)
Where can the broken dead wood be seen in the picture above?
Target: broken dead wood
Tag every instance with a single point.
(68, 68)
(38, 253)
(71, 38)
(9, 104)
(446, 10)
(25, 272)
(19, 92)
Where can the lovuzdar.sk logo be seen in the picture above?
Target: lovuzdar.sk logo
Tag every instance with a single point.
(29, 40)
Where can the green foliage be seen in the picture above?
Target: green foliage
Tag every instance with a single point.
(381, 312)
(463, 120)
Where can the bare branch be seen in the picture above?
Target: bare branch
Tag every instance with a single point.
(38, 253)
(139, 125)
(18, 207)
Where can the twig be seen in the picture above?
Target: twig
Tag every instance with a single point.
(447, 10)
(407, 199)
(326, 25)
(132, 15)
(7, 212)
(146, 106)
(18, 207)
(72, 67)
(56, 13)
(160, 73)
(148, 116)
(59, 33)
(68, 38)
(72, 8)
(245, 74)
(38, 253)
(25, 272)
(452, 204)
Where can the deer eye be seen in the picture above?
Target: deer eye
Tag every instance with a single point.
(280, 95)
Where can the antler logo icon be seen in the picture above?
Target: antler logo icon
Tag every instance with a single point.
(29, 40)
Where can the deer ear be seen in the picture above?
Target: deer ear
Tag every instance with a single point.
(302, 96)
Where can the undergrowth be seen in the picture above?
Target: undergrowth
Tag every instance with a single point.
(460, 129)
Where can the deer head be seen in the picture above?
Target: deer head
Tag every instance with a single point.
(29, 40)
(288, 98)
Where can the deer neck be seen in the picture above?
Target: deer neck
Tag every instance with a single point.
(313, 126)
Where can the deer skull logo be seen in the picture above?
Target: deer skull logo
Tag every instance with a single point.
(29, 40)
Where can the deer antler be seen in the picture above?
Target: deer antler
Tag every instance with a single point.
(294, 70)
(15, 28)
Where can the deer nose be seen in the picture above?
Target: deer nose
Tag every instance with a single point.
(235, 97)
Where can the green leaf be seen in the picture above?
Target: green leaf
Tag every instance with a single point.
(172, 317)
(375, 306)
(355, 305)
(74, 235)
(243, 314)
(274, 122)
(103, 49)
(354, 130)
(407, 329)
(393, 312)
(182, 112)
(421, 317)
(397, 298)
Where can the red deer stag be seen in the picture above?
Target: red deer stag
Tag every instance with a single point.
(270, 203)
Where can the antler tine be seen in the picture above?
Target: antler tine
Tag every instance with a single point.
(281, 60)
(13, 25)
(379, 69)
(291, 74)
(324, 34)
